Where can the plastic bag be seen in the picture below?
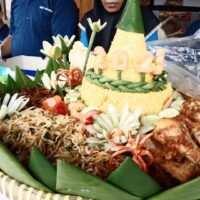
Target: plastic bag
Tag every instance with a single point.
(183, 80)
(184, 52)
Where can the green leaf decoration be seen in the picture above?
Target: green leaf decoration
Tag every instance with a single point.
(23, 80)
(13, 168)
(49, 67)
(73, 181)
(56, 66)
(131, 19)
(186, 191)
(129, 177)
(52, 65)
(158, 84)
(38, 77)
(63, 45)
(2, 90)
(59, 91)
(42, 169)
(11, 87)
(66, 61)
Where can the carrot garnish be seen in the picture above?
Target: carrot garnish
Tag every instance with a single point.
(142, 157)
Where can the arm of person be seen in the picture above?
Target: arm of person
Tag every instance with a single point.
(65, 17)
(6, 46)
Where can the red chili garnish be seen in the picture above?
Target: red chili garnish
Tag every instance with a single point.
(61, 109)
(134, 146)
(74, 76)
(89, 117)
(85, 119)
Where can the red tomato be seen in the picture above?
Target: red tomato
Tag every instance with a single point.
(49, 103)
(55, 105)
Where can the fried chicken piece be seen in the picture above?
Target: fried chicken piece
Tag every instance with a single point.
(174, 136)
(190, 114)
(175, 151)
(191, 109)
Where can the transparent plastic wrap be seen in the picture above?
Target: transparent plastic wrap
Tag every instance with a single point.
(184, 52)
(183, 80)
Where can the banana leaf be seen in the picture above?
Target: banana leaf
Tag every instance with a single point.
(129, 177)
(74, 181)
(49, 67)
(42, 169)
(186, 191)
(11, 86)
(2, 90)
(131, 19)
(56, 66)
(23, 80)
(13, 168)
(38, 78)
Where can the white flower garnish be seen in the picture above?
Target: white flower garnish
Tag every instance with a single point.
(106, 125)
(96, 26)
(51, 82)
(57, 41)
(81, 27)
(52, 51)
(12, 105)
(67, 41)
(77, 55)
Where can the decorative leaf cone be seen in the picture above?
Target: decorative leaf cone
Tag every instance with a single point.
(131, 20)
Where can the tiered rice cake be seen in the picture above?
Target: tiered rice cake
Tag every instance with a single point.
(102, 87)
(150, 102)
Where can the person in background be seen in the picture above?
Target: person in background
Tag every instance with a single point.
(110, 11)
(33, 21)
(195, 26)
(4, 30)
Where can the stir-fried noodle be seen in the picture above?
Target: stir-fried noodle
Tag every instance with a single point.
(56, 137)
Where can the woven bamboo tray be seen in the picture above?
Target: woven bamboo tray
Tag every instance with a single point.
(14, 190)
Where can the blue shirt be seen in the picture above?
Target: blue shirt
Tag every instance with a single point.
(4, 31)
(33, 21)
(195, 26)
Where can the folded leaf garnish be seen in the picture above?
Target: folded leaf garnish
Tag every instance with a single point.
(13, 168)
(72, 180)
(42, 169)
